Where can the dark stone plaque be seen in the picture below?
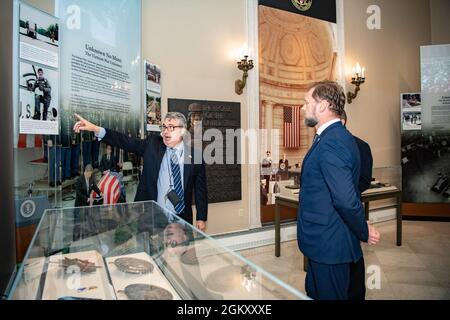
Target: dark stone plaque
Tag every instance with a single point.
(224, 176)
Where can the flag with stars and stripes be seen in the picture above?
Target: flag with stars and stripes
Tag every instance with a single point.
(291, 122)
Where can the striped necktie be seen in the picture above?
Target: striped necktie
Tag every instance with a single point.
(176, 174)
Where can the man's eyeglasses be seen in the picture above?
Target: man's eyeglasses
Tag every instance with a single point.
(169, 128)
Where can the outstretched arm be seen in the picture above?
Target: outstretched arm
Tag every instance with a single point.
(111, 137)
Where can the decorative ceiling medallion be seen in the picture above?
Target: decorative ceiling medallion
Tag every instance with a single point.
(302, 5)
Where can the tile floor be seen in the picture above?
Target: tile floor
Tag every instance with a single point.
(419, 269)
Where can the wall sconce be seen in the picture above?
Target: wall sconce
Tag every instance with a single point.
(244, 65)
(358, 78)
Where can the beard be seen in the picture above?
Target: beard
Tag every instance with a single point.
(311, 122)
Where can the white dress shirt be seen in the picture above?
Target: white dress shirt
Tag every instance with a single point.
(326, 125)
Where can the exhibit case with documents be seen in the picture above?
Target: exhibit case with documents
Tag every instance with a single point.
(136, 251)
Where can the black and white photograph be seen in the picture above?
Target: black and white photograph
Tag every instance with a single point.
(39, 36)
(153, 73)
(153, 111)
(39, 99)
(426, 167)
(152, 96)
(411, 117)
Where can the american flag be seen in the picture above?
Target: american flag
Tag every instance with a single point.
(291, 121)
(28, 141)
(109, 185)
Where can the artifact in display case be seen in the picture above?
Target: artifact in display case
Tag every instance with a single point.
(80, 274)
(141, 291)
(133, 265)
(385, 179)
(136, 251)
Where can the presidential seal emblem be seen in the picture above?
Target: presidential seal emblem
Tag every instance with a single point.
(302, 5)
(28, 208)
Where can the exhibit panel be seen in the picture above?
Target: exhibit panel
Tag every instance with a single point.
(36, 120)
(425, 133)
(73, 62)
(136, 251)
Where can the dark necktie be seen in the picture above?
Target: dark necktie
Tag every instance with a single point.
(316, 138)
(176, 172)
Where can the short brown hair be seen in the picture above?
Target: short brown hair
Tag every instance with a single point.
(344, 117)
(332, 92)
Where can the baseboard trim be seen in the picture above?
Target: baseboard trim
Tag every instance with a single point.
(264, 236)
(424, 218)
(382, 215)
(257, 237)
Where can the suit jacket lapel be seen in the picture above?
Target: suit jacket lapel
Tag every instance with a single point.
(188, 164)
(309, 152)
(317, 142)
(160, 156)
(186, 174)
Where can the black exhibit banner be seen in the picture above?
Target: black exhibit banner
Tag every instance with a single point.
(425, 134)
(215, 118)
(319, 9)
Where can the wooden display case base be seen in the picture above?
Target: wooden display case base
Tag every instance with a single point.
(24, 235)
(432, 211)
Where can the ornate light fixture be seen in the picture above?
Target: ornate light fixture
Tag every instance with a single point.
(244, 65)
(358, 78)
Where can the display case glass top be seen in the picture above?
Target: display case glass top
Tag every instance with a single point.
(136, 251)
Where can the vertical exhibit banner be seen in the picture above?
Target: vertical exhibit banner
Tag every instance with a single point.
(426, 145)
(152, 96)
(38, 110)
(101, 63)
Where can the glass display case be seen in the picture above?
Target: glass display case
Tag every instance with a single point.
(136, 251)
(385, 179)
(391, 176)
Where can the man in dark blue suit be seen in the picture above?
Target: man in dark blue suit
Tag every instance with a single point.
(170, 172)
(330, 221)
(366, 158)
(357, 289)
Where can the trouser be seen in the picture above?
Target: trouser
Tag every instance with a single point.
(74, 160)
(357, 289)
(65, 162)
(327, 281)
(46, 106)
(86, 153)
(54, 164)
(95, 152)
(344, 281)
(37, 107)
